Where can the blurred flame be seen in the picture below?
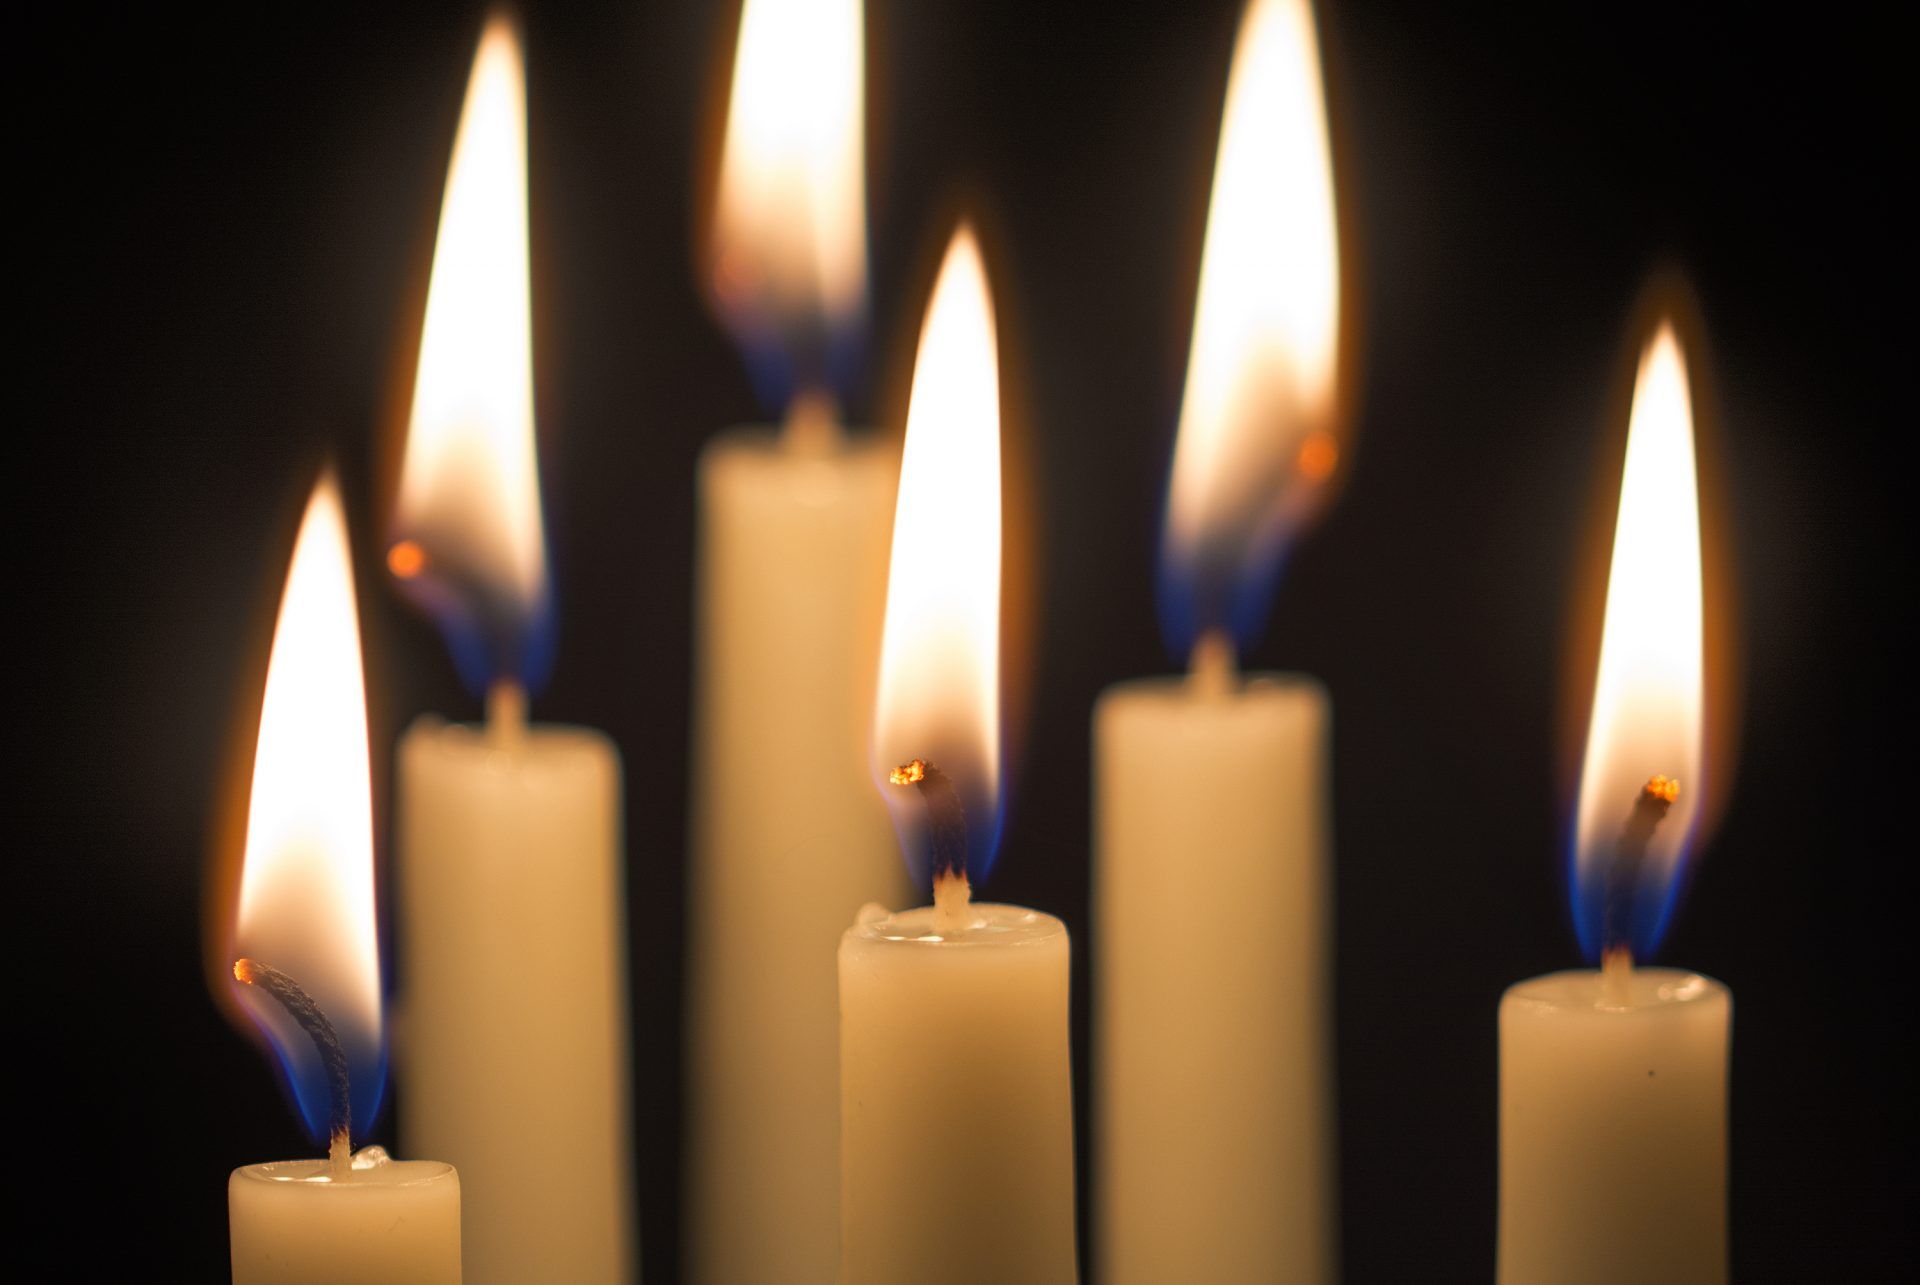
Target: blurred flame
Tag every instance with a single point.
(306, 895)
(1257, 418)
(1649, 694)
(939, 693)
(468, 538)
(789, 253)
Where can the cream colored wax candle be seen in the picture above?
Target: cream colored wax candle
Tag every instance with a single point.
(513, 1053)
(1213, 1071)
(956, 1110)
(956, 1099)
(1613, 1130)
(305, 902)
(1213, 1053)
(384, 1222)
(513, 1044)
(787, 838)
(1613, 1082)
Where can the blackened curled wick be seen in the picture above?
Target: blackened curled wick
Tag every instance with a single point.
(301, 1007)
(1650, 807)
(946, 818)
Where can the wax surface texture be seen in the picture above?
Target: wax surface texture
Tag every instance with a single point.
(388, 1222)
(512, 1048)
(1613, 1131)
(956, 1100)
(789, 840)
(1214, 1144)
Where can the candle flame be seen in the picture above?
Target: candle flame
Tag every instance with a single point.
(306, 891)
(939, 691)
(788, 258)
(468, 542)
(1258, 420)
(1648, 711)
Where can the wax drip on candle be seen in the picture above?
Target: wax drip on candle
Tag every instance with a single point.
(1650, 807)
(947, 823)
(301, 1008)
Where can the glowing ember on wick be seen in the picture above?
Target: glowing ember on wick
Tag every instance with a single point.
(301, 1008)
(947, 836)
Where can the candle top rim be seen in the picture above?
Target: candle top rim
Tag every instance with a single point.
(317, 1174)
(994, 925)
(1653, 990)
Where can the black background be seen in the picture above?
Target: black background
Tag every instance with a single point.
(227, 224)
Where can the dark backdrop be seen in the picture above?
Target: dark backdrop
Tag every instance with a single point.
(227, 226)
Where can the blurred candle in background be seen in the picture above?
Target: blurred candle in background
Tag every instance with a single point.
(302, 959)
(1613, 1081)
(1214, 1114)
(956, 1099)
(787, 837)
(514, 1048)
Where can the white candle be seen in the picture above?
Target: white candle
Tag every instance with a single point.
(304, 959)
(956, 1116)
(1214, 1052)
(385, 1222)
(513, 1049)
(957, 1099)
(513, 1055)
(1613, 1082)
(1613, 1129)
(787, 838)
(1215, 1144)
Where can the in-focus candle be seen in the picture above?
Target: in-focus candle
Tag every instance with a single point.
(303, 959)
(956, 1111)
(1613, 1081)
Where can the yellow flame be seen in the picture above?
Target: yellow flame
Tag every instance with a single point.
(940, 654)
(789, 235)
(469, 483)
(306, 903)
(1261, 372)
(1648, 699)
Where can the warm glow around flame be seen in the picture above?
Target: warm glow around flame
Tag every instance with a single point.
(1649, 695)
(939, 696)
(306, 896)
(789, 234)
(469, 501)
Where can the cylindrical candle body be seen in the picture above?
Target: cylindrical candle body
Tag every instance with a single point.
(1613, 1130)
(789, 840)
(956, 1106)
(387, 1222)
(513, 1050)
(1213, 1087)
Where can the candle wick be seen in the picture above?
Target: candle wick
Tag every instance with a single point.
(301, 1008)
(947, 832)
(506, 714)
(813, 423)
(1650, 807)
(1213, 668)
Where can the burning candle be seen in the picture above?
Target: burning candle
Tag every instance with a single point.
(304, 960)
(1215, 1155)
(514, 1052)
(791, 573)
(956, 1153)
(1613, 1082)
